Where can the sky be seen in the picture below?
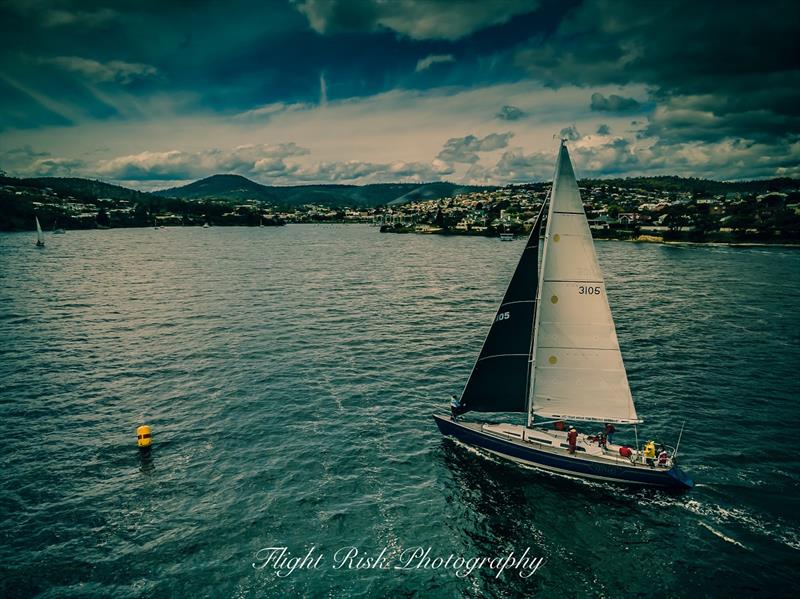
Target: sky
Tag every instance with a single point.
(152, 94)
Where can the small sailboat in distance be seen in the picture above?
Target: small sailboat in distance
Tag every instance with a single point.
(552, 353)
(39, 234)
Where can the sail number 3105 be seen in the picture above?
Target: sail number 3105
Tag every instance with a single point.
(587, 290)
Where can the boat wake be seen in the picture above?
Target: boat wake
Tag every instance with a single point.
(722, 536)
(777, 531)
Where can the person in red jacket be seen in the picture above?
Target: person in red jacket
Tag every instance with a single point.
(572, 439)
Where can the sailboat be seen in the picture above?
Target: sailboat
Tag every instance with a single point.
(39, 234)
(552, 353)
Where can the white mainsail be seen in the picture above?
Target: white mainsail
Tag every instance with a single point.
(39, 234)
(578, 372)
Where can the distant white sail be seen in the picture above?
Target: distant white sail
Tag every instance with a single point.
(39, 233)
(578, 372)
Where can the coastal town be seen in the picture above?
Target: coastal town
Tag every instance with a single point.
(670, 211)
(614, 212)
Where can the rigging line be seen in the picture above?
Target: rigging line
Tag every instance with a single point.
(518, 302)
(578, 348)
(548, 201)
(572, 281)
(501, 356)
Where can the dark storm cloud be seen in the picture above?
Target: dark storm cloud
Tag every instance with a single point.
(742, 57)
(516, 166)
(612, 103)
(705, 79)
(711, 117)
(570, 133)
(417, 19)
(43, 164)
(510, 113)
(466, 149)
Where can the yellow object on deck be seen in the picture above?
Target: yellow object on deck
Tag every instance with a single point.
(143, 436)
(650, 450)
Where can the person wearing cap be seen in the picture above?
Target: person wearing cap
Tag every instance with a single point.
(572, 439)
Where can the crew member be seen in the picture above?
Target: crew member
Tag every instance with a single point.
(650, 453)
(572, 439)
(455, 407)
(610, 430)
(662, 458)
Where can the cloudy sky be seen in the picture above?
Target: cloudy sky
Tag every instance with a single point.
(151, 94)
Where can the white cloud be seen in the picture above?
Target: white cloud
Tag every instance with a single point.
(417, 19)
(443, 133)
(426, 63)
(111, 71)
(82, 18)
(252, 160)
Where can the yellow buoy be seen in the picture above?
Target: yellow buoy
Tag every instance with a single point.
(143, 436)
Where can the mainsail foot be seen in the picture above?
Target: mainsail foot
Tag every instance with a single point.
(552, 352)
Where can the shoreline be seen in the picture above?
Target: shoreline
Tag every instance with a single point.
(654, 239)
(651, 239)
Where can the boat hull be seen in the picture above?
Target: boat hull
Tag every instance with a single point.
(561, 461)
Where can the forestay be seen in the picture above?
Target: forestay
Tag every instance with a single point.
(578, 371)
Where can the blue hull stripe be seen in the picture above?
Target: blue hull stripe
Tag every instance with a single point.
(673, 478)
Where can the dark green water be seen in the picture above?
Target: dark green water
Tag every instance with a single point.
(289, 375)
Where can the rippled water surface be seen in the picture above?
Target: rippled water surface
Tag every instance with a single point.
(290, 374)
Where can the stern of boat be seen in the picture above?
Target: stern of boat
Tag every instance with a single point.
(682, 480)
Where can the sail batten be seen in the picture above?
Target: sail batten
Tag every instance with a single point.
(578, 372)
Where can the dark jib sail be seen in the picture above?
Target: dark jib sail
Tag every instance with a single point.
(499, 379)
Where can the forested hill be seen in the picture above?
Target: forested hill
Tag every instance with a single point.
(694, 185)
(82, 189)
(238, 188)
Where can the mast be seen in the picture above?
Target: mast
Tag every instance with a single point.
(532, 360)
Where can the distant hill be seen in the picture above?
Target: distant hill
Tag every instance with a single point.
(238, 188)
(235, 188)
(82, 189)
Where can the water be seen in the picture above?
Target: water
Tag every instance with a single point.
(289, 375)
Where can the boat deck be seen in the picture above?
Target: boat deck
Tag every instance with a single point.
(555, 441)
